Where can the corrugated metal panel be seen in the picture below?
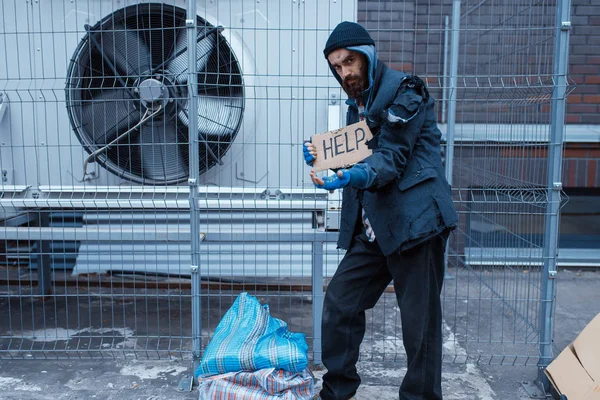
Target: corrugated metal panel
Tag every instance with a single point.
(247, 260)
(272, 260)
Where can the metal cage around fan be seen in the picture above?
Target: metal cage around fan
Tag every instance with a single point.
(127, 93)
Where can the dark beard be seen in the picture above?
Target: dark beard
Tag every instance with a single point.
(354, 86)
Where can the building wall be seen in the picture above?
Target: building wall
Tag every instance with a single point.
(495, 41)
(584, 63)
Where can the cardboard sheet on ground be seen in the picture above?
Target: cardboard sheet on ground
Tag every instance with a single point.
(343, 147)
(576, 371)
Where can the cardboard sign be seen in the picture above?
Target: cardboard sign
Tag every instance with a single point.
(343, 147)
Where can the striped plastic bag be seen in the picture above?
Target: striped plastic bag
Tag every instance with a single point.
(265, 384)
(248, 338)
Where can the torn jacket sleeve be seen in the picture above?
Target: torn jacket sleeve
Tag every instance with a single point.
(399, 132)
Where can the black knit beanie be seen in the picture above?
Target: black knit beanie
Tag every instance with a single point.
(347, 34)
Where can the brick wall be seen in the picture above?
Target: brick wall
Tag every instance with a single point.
(392, 25)
(515, 43)
(584, 63)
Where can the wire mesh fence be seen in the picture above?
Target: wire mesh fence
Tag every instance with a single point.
(127, 233)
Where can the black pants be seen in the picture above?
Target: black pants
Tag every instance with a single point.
(359, 281)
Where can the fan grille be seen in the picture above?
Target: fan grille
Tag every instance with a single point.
(132, 66)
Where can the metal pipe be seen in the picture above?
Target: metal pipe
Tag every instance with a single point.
(450, 133)
(202, 190)
(93, 234)
(159, 203)
(158, 197)
(445, 73)
(555, 147)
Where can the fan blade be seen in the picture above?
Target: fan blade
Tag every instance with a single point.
(178, 66)
(126, 48)
(161, 41)
(217, 116)
(160, 153)
(109, 113)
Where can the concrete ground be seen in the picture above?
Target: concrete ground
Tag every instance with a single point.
(578, 301)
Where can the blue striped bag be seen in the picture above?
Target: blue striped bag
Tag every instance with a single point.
(264, 384)
(248, 338)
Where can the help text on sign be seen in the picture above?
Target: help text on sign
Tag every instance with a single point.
(343, 147)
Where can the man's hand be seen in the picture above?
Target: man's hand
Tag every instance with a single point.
(360, 176)
(310, 152)
(332, 182)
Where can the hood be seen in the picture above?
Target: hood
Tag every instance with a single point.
(371, 54)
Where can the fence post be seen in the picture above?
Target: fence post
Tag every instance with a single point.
(555, 146)
(451, 108)
(445, 71)
(317, 293)
(194, 175)
(451, 127)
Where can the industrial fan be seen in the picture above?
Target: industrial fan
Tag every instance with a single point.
(127, 94)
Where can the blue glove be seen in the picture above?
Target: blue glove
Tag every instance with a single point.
(335, 181)
(356, 177)
(308, 158)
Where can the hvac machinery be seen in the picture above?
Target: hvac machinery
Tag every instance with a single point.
(95, 105)
(106, 80)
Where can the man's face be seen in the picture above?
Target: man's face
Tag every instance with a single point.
(352, 67)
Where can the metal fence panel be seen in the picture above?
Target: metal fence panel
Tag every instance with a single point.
(126, 236)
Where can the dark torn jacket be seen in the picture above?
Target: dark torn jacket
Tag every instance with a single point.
(408, 200)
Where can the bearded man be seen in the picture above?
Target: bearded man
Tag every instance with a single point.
(397, 212)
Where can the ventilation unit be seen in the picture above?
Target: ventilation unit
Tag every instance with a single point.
(127, 93)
